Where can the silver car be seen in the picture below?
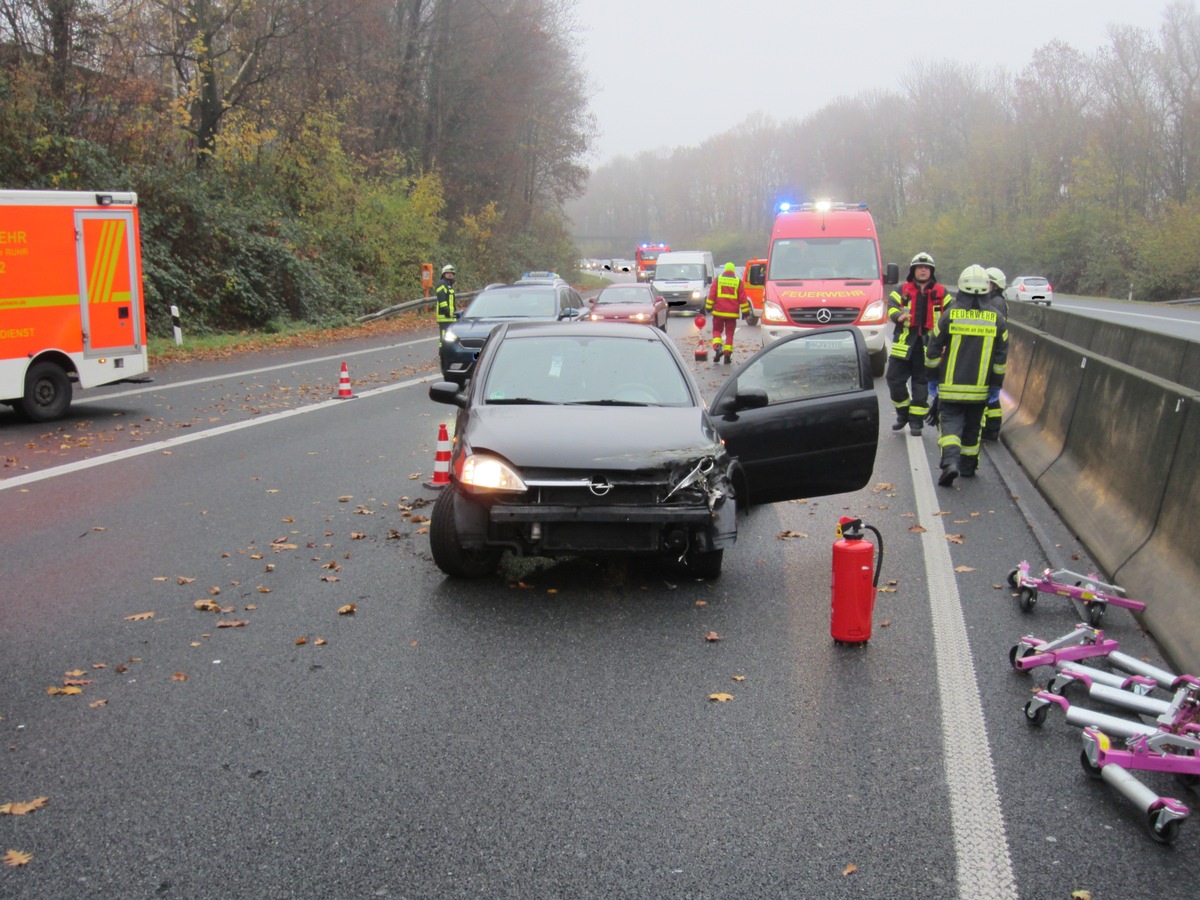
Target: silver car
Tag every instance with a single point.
(1030, 289)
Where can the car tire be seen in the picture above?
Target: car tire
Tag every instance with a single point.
(448, 554)
(47, 392)
(706, 565)
(878, 363)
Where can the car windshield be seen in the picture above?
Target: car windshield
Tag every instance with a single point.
(848, 258)
(679, 272)
(628, 294)
(575, 369)
(513, 305)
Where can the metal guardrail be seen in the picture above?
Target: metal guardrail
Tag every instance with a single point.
(410, 304)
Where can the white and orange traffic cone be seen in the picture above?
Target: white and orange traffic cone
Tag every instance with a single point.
(441, 460)
(345, 391)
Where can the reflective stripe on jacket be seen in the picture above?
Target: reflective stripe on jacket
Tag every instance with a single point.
(445, 302)
(912, 297)
(969, 347)
(727, 298)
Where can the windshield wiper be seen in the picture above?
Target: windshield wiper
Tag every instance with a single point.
(515, 401)
(611, 403)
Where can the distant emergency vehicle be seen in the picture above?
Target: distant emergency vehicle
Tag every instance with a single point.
(71, 308)
(824, 268)
(754, 277)
(645, 260)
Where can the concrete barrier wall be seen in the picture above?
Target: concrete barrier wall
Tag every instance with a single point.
(1114, 450)
(1166, 569)
(1165, 355)
(1036, 430)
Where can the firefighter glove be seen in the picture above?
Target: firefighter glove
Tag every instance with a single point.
(932, 417)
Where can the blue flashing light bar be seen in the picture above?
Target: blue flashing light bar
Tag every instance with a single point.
(820, 206)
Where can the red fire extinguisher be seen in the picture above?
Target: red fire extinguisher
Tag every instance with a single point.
(853, 593)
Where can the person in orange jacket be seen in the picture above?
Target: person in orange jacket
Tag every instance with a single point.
(727, 302)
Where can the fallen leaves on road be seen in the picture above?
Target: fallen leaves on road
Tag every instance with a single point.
(179, 676)
(97, 704)
(720, 698)
(347, 610)
(15, 858)
(138, 617)
(21, 807)
(712, 636)
(232, 623)
(917, 529)
(954, 538)
(70, 689)
(963, 569)
(882, 486)
(788, 533)
(849, 870)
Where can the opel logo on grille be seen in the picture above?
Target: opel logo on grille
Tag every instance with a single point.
(824, 316)
(599, 485)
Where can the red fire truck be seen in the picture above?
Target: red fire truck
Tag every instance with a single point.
(646, 260)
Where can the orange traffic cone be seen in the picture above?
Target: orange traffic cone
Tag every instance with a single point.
(441, 460)
(345, 391)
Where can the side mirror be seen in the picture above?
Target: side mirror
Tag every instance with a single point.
(750, 398)
(757, 275)
(448, 392)
(892, 274)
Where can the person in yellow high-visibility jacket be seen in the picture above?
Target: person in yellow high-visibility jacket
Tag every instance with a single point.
(727, 302)
(445, 302)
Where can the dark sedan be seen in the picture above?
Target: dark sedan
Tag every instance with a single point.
(552, 301)
(639, 303)
(593, 439)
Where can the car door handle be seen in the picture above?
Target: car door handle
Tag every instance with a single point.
(859, 415)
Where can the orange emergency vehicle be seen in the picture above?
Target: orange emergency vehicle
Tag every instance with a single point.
(824, 268)
(754, 277)
(646, 260)
(71, 309)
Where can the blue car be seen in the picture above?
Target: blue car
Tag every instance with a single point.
(553, 302)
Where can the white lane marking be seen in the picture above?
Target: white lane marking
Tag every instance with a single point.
(168, 443)
(984, 867)
(244, 374)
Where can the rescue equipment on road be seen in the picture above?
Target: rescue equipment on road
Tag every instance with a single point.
(1091, 595)
(853, 587)
(441, 460)
(1171, 744)
(345, 391)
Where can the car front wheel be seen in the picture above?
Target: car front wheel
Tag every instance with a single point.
(449, 555)
(706, 565)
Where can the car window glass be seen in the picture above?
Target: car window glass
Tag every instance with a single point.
(517, 304)
(805, 367)
(579, 369)
(623, 295)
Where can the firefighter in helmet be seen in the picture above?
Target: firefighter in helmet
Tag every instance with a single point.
(445, 302)
(913, 308)
(727, 302)
(968, 352)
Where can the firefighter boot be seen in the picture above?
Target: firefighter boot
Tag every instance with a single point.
(914, 426)
(967, 466)
(949, 473)
(728, 357)
(901, 419)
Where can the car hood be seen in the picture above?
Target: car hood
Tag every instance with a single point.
(482, 327)
(622, 438)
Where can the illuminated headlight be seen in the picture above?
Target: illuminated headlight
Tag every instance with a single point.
(773, 312)
(486, 473)
(595, 317)
(874, 312)
(640, 317)
(696, 295)
(449, 337)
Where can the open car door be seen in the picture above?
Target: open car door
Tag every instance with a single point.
(802, 416)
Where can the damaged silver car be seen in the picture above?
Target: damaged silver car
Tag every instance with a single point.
(593, 439)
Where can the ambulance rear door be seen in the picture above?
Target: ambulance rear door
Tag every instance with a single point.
(109, 289)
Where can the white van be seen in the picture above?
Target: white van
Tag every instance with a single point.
(684, 275)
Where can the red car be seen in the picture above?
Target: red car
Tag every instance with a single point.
(629, 303)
